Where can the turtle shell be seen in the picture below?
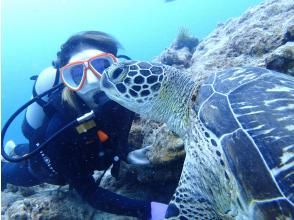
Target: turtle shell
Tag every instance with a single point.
(251, 111)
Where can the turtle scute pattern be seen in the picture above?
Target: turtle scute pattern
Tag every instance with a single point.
(256, 136)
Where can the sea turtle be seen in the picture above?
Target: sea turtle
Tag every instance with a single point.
(238, 130)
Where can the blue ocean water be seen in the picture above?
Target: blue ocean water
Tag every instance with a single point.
(33, 30)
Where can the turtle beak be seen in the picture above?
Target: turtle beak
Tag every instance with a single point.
(105, 81)
(108, 87)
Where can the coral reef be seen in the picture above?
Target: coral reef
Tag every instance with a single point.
(180, 52)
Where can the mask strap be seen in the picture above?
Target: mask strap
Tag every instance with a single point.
(124, 57)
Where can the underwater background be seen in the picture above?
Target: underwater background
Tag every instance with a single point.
(33, 30)
(232, 34)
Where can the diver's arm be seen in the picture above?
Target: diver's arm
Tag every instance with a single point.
(123, 131)
(108, 201)
(118, 121)
(17, 174)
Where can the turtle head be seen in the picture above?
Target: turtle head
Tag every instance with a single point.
(133, 84)
(154, 91)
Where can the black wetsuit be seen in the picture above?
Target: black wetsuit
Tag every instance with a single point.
(72, 158)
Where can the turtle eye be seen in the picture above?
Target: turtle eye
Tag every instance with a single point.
(118, 74)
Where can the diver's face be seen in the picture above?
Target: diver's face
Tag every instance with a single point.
(91, 84)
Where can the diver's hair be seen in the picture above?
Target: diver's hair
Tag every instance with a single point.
(76, 43)
(82, 40)
(69, 98)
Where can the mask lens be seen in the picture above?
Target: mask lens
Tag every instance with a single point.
(101, 63)
(73, 75)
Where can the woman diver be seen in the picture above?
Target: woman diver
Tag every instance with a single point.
(96, 144)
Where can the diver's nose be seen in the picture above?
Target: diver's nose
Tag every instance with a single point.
(91, 77)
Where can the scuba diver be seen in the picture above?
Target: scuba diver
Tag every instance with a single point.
(97, 143)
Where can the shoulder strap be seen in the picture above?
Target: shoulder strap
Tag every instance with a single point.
(124, 57)
(41, 102)
(47, 106)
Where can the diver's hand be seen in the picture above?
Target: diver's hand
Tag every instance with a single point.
(158, 210)
(9, 147)
(139, 157)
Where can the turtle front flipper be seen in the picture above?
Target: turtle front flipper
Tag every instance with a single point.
(190, 205)
(188, 202)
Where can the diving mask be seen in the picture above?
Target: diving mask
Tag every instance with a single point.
(74, 74)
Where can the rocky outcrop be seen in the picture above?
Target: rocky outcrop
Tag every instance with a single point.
(54, 202)
(48, 203)
(262, 36)
(249, 40)
(282, 59)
